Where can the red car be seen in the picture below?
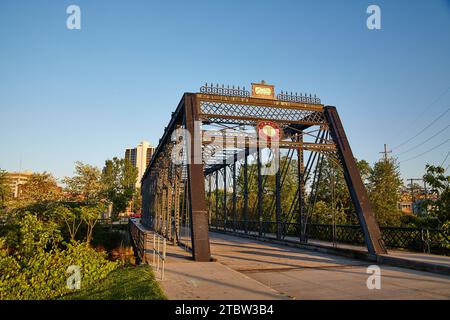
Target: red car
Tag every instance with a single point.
(135, 215)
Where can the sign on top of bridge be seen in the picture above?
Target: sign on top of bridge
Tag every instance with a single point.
(263, 90)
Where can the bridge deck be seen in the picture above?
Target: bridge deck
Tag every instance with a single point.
(249, 269)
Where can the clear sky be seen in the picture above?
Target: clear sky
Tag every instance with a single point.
(68, 95)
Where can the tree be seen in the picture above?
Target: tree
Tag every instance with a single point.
(118, 179)
(90, 216)
(440, 187)
(40, 187)
(333, 189)
(5, 189)
(137, 201)
(72, 219)
(86, 184)
(384, 186)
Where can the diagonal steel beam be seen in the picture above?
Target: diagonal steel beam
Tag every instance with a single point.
(358, 193)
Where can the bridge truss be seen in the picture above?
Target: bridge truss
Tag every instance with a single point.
(208, 169)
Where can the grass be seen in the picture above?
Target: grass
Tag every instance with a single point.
(129, 283)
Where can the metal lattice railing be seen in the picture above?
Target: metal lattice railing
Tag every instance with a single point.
(415, 239)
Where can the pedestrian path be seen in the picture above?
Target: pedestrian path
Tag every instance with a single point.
(250, 269)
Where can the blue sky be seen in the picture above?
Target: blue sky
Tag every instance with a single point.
(68, 95)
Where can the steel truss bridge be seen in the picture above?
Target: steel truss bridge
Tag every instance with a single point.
(208, 168)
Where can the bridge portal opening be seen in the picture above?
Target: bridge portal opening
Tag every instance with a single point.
(249, 163)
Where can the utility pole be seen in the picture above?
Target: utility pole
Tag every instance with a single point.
(385, 152)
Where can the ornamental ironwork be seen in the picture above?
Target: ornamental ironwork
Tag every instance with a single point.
(284, 96)
(224, 91)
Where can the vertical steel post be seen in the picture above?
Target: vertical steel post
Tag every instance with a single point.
(301, 189)
(278, 203)
(225, 211)
(196, 183)
(260, 189)
(246, 189)
(217, 199)
(234, 193)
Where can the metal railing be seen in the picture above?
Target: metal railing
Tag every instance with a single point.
(414, 239)
(159, 257)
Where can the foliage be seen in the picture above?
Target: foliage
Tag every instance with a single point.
(34, 257)
(40, 187)
(72, 219)
(37, 236)
(384, 186)
(119, 178)
(86, 184)
(137, 201)
(440, 187)
(5, 189)
(43, 275)
(131, 283)
(90, 215)
(333, 194)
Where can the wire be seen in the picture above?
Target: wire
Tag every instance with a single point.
(432, 103)
(442, 164)
(420, 115)
(437, 133)
(429, 150)
(429, 125)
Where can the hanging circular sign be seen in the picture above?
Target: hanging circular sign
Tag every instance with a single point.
(268, 130)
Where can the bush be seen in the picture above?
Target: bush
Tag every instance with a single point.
(43, 275)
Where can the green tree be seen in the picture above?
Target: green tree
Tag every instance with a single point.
(5, 189)
(137, 200)
(384, 186)
(90, 216)
(39, 188)
(86, 184)
(118, 179)
(72, 219)
(439, 183)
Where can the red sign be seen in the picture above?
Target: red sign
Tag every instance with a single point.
(268, 130)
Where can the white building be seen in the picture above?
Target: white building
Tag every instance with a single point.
(140, 158)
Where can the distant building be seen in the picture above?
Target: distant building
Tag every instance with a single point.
(140, 158)
(411, 203)
(17, 180)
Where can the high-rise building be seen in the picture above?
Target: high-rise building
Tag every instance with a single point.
(140, 158)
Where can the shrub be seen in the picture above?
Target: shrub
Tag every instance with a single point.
(43, 275)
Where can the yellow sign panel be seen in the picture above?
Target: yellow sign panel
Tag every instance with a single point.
(263, 90)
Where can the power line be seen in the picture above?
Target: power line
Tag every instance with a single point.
(448, 153)
(421, 131)
(429, 150)
(423, 142)
(432, 103)
(425, 110)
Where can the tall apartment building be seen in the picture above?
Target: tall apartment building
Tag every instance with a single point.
(140, 158)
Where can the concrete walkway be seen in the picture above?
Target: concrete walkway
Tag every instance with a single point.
(186, 280)
(249, 269)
